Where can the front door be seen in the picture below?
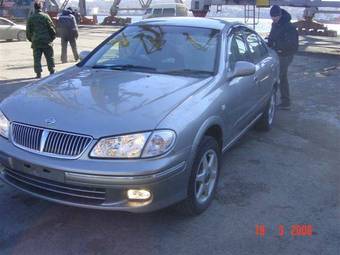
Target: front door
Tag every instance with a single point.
(263, 77)
(240, 91)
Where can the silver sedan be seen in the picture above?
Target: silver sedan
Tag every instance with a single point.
(10, 31)
(142, 121)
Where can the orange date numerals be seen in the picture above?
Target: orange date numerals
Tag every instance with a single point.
(301, 230)
(295, 230)
(260, 230)
(281, 230)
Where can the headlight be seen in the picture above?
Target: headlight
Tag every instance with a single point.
(159, 143)
(126, 146)
(4, 125)
(133, 145)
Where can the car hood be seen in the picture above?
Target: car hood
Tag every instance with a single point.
(100, 102)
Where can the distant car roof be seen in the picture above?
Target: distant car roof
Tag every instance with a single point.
(187, 22)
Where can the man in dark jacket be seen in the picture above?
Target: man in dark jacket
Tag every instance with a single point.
(283, 38)
(41, 32)
(69, 33)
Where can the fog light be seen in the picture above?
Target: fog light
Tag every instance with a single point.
(138, 194)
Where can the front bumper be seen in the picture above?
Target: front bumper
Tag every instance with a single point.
(70, 182)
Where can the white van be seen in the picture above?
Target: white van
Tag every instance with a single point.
(166, 10)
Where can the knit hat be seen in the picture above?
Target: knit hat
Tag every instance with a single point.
(275, 11)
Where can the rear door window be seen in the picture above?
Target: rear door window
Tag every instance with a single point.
(157, 12)
(169, 12)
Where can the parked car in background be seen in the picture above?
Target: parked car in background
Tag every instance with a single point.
(10, 31)
(166, 10)
(142, 121)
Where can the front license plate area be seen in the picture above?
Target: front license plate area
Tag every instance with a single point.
(38, 171)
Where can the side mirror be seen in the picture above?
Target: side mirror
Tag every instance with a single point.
(83, 54)
(242, 68)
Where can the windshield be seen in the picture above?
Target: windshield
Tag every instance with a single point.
(160, 49)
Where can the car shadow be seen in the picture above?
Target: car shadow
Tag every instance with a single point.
(7, 87)
(16, 81)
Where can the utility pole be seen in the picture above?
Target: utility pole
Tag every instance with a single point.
(82, 8)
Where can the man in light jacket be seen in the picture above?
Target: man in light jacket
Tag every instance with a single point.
(68, 31)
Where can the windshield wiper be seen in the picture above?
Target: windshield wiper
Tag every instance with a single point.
(124, 67)
(188, 72)
(106, 67)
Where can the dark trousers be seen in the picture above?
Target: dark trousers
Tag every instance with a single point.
(49, 55)
(285, 61)
(73, 44)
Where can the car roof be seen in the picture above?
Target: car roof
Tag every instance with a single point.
(187, 22)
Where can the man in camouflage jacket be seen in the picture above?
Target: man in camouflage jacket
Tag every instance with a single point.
(41, 32)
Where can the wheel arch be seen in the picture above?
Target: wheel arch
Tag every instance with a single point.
(212, 127)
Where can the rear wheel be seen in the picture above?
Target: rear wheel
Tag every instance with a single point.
(266, 121)
(22, 36)
(203, 179)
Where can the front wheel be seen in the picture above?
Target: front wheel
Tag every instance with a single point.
(203, 179)
(22, 36)
(266, 121)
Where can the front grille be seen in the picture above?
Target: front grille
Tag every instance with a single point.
(50, 142)
(26, 136)
(65, 144)
(56, 190)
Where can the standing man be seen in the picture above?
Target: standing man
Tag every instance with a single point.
(68, 33)
(284, 39)
(41, 32)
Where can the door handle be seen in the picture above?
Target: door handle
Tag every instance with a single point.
(256, 79)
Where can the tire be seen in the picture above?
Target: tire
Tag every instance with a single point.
(203, 182)
(21, 36)
(265, 123)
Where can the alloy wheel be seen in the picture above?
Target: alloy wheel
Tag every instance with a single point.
(206, 176)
